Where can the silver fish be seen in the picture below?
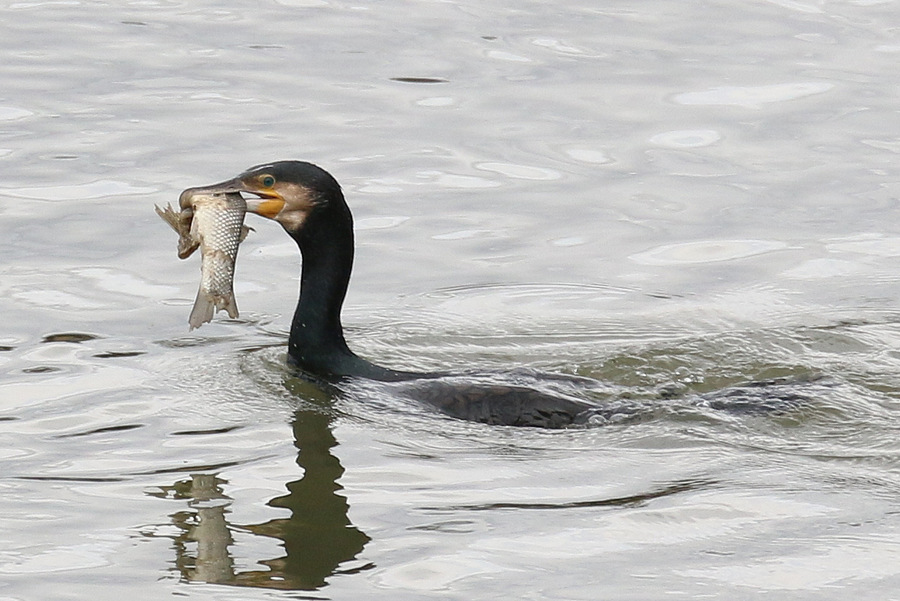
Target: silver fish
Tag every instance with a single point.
(214, 223)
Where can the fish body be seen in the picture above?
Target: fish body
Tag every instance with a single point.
(214, 224)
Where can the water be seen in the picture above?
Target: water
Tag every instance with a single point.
(672, 199)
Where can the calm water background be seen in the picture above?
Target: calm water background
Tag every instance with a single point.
(660, 195)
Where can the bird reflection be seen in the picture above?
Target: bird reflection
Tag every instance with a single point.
(317, 537)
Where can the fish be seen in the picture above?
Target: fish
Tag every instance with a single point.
(214, 223)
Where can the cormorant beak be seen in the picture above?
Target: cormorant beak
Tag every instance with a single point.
(268, 204)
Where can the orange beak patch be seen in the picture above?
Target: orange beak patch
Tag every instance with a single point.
(267, 207)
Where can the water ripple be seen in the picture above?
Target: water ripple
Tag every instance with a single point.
(753, 96)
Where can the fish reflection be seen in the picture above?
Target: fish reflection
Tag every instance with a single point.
(205, 525)
(317, 537)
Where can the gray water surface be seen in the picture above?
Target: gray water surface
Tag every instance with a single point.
(671, 199)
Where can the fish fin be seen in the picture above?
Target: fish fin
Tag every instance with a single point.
(203, 311)
(208, 304)
(178, 221)
(181, 223)
(186, 247)
(169, 216)
(245, 231)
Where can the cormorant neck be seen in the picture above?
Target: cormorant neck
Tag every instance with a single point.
(326, 244)
(316, 343)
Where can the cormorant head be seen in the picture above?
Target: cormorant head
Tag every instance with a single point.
(288, 191)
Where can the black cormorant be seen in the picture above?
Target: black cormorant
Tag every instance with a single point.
(307, 201)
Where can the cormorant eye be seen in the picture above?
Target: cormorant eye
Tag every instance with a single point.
(268, 181)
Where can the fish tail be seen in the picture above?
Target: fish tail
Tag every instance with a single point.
(228, 303)
(208, 304)
(204, 309)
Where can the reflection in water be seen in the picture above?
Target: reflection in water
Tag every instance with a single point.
(206, 525)
(317, 537)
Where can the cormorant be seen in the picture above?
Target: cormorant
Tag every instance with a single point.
(309, 204)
